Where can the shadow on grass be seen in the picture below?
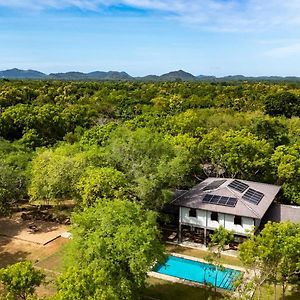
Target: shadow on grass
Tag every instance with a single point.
(165, 290)
(8, 229)
(7, 258)
(293, 294)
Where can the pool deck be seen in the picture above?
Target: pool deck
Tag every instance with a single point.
(188, 282)
(204, 261)
(196, 246)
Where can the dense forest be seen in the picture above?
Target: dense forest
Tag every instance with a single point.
(75, 140)
(119, 149)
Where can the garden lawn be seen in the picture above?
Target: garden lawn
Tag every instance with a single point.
(165, 290)
(53, 262)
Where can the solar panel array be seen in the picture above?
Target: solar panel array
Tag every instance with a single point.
(220, 200)
(253, 196)
(238, 186)
(214, 185)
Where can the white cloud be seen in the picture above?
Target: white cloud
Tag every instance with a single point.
(285, 51)
(229, 15)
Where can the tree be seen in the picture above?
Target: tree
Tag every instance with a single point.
(54, 173)
(286, 160)
(273, 255)
(151, 163)
(272, 129)
(104, 182)
(236, 154)
(98, 135)
(282, 103)
(115, 243)
(20, 280)
(218, 241)
(12, 186)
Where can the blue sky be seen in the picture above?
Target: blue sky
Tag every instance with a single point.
(211, 37)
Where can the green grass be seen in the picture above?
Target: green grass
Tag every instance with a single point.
(53, 262)
(161, 289)
(165, 290)
(267, 293)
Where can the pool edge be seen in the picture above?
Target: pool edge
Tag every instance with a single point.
(241, 269)
(175, 279)
(182, 281)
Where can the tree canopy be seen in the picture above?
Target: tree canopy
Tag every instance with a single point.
(273, 254)
(114, 245)
(160, 136)
(20, 280)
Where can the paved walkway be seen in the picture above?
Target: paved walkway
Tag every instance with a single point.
(197, 246)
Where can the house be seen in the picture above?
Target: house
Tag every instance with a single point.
(237, 205)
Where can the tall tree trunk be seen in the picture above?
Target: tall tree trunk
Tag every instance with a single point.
(259, 292)
(283, 290)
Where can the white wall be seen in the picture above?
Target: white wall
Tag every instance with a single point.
(200, 220)
(203, 220)
(247, 224)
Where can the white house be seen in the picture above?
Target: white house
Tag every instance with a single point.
(237, 205)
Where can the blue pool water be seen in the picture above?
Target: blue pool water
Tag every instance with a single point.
(198, 272)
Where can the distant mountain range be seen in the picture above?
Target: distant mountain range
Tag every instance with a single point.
(123, 76)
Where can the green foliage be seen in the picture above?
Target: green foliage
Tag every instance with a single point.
(273, 254)
(218, 240)
(12, 187)
(283, 103)
(54, 174)
(150, 162)
(274, 130)
(159, 135)
(114, 245)
(237, 154)
(20, 280)
(101, 183)
(221, 238)
(287, 163)
(13, 176)
(98, 135)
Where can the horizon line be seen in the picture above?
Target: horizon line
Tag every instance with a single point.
(179, 70)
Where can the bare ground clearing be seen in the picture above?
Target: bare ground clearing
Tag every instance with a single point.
(34, 231)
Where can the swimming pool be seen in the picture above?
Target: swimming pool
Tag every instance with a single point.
(197, 272)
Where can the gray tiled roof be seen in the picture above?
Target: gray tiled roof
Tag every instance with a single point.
(281, 212)
(193, 198)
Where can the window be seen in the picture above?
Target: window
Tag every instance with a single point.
(237, 220)
(193, 213)
(214, 216)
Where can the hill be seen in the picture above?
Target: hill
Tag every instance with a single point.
(179, 75)
(22, 74)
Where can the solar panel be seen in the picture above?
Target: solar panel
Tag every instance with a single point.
(215, 199)
(231, 202)
(207, 198)
(214, 185)
(223, 200)
(238, 186)
(253, 196)
(220, 200)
